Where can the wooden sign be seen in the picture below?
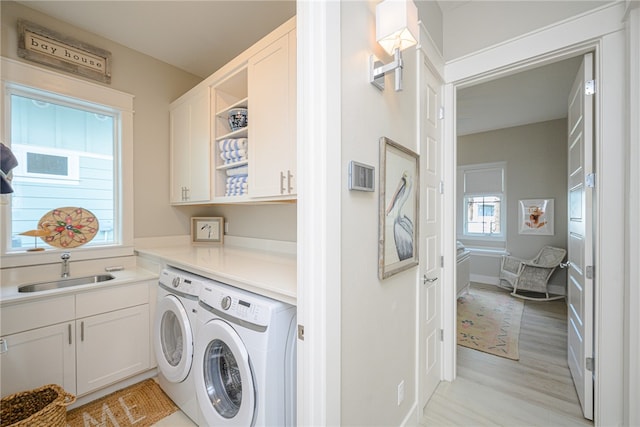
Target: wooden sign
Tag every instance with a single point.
(39, 44)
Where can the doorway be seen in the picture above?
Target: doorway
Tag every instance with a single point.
(517, 124)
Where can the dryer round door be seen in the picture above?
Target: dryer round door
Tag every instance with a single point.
(225, 385)
(173, 339)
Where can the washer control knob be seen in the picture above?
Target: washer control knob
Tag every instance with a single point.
(226, 302)
(176, 281)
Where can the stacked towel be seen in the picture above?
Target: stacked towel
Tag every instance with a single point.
(233, 150)
(236, 185)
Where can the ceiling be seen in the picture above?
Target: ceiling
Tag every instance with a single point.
(532, 96)
(201, 36)
(195, 36)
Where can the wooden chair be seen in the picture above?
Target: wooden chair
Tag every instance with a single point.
(531, 275)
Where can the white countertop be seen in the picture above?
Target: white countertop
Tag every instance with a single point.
(272, 274)
(9, 294)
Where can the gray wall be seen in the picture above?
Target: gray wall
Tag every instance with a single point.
(536, 168)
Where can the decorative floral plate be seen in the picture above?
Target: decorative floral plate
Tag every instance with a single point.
(69, 227)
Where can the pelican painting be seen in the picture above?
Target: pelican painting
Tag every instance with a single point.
(398, 208)
(402, 224)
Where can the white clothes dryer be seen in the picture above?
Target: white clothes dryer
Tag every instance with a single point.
(174, 333)
(245, 358)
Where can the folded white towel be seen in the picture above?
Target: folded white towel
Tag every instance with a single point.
(234, 155)
(236, 179)
(236, 192)
(236, 187)
(233, 144)
(240, 170)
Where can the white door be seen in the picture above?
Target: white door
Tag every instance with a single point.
(580, 240)
(111, 346)
(430, 286)
(37, 357)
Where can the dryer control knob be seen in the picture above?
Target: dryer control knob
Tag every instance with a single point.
(226, 302)
(176, 281)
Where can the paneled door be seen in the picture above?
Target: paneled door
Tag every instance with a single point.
(580, 281)
(429, 288)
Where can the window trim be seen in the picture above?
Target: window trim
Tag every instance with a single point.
(15, 73)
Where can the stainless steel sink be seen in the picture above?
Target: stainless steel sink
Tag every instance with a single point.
(64, 283)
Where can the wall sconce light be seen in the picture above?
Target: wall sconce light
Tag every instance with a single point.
(396, 30)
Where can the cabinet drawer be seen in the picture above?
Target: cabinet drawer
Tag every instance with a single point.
(114, 298)
(30, 315)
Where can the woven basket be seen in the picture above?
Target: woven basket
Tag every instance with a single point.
(44, 406)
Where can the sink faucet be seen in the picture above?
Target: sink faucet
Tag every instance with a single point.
(65, 264)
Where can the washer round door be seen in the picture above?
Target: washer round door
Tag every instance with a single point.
(173, 339)
(225, 384)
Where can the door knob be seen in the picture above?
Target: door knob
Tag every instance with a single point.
(426, 280)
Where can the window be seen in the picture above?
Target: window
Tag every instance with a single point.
(483, 201)
(65, 158)
(73, 143)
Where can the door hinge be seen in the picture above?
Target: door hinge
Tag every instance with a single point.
(441, 113)
(590, 180)
(591, 270)
(441, 334)
(441, 187)
(590, 362)
(301, 332)
(441, 260)
(590, 87)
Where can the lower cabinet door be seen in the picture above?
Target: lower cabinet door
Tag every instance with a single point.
(38, 357)
(111, 347)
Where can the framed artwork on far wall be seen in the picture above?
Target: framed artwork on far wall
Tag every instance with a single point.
(535, 217)
(207, 229)
(398, 208)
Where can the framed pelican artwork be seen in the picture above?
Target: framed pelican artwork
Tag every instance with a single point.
(398, 209)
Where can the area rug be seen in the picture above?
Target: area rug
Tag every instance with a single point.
(489, 321)
(139, 405)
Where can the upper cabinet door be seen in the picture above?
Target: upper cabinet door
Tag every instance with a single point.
(272, 145)
(189, 122)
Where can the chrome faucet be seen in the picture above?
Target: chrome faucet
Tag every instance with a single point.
(65, 264)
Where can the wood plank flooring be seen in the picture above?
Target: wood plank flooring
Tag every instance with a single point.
(537, 390)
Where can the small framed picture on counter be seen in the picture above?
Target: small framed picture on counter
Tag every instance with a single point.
(207, 229)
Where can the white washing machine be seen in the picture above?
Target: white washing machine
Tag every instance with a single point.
(174, 333)
(245, 359)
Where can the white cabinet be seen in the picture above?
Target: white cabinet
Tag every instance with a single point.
(272, 92)
(103, 336)
(189, 127)
(41, 356)
(111, 346)
(263, 80)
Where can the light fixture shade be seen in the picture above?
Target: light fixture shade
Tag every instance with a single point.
(396, 24)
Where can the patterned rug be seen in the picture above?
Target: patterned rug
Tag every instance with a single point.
(139, 405)
(489, 321)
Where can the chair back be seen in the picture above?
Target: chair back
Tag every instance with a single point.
(550, 256)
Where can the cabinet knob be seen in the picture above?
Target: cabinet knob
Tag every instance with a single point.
(3, 346)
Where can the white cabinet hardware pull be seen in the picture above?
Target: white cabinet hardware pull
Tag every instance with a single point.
(3, 346)
(426, 280)
(82, 331)
(70, 339)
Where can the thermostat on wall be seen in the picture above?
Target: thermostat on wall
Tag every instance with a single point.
(361, 176)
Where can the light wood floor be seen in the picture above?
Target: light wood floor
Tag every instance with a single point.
(537, 390)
